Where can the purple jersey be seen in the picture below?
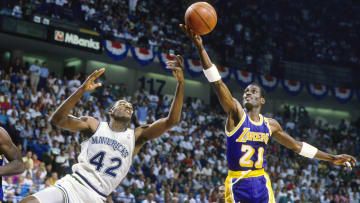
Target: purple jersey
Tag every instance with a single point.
(247, 144)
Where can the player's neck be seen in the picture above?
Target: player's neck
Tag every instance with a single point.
(117, 126)
(254, 114)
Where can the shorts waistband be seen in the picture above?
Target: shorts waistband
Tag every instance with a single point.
(77, 174)
(246, 174)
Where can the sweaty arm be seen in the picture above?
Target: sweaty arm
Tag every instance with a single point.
(226, 100)
(156, 129)
(305, 149)
(62, 118)
(12, 154)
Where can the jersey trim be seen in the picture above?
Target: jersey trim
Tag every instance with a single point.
(65, 194)
(258, 123)
(246, 174)
(268, 125)
(89, 184)
(229, 134)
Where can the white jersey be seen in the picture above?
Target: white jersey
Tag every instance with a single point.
(105, 159)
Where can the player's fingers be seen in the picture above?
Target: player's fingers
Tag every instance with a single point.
(184, 29)
(92, 74)
(181, 60)
(170, 67)
(177, 69)
(100, 72)
(98, 85)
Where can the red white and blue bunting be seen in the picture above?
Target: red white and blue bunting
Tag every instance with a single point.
(116, 50)
(318, 91)
(343, 95)
(194, 67)
(244, 78)
(142, 56)
(163, 58)
(292, 87)
(225, 73)
(268, 82)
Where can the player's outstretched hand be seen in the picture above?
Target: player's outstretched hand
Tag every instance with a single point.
(89, 83)
(177, 68)
(345, 160)
(192, 35)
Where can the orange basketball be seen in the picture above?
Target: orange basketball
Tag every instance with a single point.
(201, 17)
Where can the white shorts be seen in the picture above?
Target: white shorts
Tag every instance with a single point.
(68, 190)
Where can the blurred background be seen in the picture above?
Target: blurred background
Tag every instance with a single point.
(305, 54)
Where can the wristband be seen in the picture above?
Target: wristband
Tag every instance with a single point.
(308, 150)
(212, 74)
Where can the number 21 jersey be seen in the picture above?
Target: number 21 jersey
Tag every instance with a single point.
(247, 144)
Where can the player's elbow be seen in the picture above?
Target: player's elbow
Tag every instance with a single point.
(172, 121)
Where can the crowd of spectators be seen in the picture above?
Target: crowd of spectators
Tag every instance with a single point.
(251, 32)
(186, 164)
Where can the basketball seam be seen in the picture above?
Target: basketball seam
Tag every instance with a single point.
(202, 19)
(210, 11)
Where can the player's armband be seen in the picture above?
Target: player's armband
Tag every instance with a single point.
(308, 151)
(212, 74)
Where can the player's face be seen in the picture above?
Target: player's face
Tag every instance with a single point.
(122, 110)
(252, 97)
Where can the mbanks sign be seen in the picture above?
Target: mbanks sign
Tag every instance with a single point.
(77, 40)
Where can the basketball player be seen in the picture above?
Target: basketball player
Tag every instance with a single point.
(247, 137)
(107, 154)
(13, 155)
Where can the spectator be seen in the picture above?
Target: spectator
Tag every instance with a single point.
(44, 74)
(28, 159)
(126, 196)
(35, 71)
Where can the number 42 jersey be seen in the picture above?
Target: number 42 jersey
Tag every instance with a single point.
(247, 144)
(105, 158)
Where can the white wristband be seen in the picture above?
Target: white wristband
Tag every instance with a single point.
(308, 150)
(212, 74)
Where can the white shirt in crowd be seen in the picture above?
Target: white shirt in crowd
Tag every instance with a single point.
(35, 69)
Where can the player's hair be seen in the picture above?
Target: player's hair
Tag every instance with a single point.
(262, 91)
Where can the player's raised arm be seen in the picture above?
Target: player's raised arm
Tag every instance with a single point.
(156, 129)
(62, 118)
(228, 103)
(306, 149)
(12, 154)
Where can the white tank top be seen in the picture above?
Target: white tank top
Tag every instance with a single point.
(105, 159)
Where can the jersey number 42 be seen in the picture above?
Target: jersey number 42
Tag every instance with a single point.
(98, 161)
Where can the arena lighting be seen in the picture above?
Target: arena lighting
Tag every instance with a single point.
(323, 111)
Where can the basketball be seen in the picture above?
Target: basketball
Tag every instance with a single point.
(201, 17)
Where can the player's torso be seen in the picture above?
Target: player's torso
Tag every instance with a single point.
(247, 144)
(105, 158)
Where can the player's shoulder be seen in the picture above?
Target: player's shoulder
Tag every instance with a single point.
(274, 124)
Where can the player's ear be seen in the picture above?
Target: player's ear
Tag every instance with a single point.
(262, 100)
